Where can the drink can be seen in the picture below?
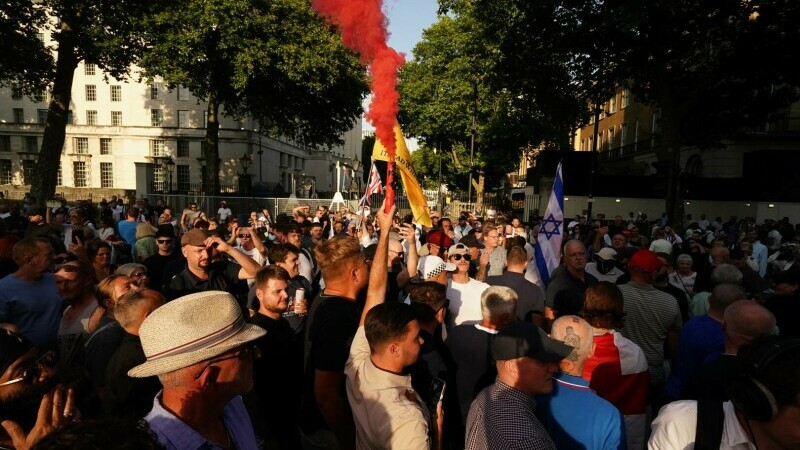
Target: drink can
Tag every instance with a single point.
(300, 301)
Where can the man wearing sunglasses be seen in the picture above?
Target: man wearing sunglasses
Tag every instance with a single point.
(157, 263)
(30, 403)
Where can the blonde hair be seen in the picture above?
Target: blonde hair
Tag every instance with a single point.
(144, 229)
(335, 256)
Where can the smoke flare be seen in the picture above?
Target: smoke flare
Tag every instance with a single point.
(362, 25)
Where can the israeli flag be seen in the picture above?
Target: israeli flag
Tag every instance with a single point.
(551, 231)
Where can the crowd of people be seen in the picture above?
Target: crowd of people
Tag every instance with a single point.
(130, 326)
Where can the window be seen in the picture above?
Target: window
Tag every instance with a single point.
(155, 91)
(156, 117)
(31, 144)
(106, 175)
(69, 117)
(159, 179)
(91, 117)
(105, 146)
(5, 171)
(623, 134)
(28, 166)
(40, 95)
(89, 69)
(183, 93)
(19, 115)
(183, 149)
(183, 118)
(41, 115)
(91, 93)
(79, 173)
(16, 93)
(116, 118)
(116, 93)
(184, 177)
(157, 147)
(612, 105)
(626, 98)
(81, 145)
(5, 143)
(611, 135)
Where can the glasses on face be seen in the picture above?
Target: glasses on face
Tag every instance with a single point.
(458, 257)
(244, 354)
(244, 236)
(400, 254)
(164, 241)
(493, 236)
(34, 371)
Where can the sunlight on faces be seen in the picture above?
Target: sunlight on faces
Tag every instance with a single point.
(273, 297)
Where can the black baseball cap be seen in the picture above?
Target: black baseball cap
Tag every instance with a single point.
(520, 339)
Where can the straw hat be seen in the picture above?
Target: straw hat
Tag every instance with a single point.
(191, 329)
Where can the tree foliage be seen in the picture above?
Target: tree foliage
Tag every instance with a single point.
(708, 68)
(24, 60)
(102, 33)
(275, 60)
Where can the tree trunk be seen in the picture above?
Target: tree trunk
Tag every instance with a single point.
(211, 147)
(670, 157)
(43, 184)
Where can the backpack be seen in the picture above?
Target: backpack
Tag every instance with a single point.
(710, 423)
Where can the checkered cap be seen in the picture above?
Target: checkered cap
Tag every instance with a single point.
(430, 266)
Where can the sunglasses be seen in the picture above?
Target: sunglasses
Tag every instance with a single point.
(244, 236)
(34, 371)
(246, 353)
(164, 241)
(458, 257)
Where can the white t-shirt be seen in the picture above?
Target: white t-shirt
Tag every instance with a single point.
(223, 213)
(676, 425)
(465, 300)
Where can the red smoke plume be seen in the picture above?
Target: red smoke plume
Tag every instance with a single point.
(363, 28)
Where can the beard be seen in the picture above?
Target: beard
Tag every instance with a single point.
(23, 407)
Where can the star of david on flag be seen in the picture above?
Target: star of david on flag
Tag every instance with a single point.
(551, 231)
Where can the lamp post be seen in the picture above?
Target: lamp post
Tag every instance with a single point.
(170, 164)
(202, 162)
(244, 178)
(260, 152)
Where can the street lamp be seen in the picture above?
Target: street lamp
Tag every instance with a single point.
(245, 161)
(170, 164)
(244, 179)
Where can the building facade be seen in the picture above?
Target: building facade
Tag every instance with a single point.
(114, 124)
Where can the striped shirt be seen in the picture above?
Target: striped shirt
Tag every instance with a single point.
(649, 316)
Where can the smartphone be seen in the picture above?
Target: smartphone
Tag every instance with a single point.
(437, 393)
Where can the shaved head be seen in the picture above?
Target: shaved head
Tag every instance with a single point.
(744, 321)
(576, 332)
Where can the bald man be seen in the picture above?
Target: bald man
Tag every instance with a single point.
(743, 322)
(573, 415)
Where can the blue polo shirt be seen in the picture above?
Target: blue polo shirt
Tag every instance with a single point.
(576, 417)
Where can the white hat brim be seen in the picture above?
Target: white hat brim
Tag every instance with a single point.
(248, 333)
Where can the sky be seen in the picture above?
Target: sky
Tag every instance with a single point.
(407, 19)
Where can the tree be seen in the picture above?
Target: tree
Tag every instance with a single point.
(459, 71)
(102, 33)
(708, 68)
(25, 62)
(276, 61)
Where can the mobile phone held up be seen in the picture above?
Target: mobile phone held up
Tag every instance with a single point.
(437, 393)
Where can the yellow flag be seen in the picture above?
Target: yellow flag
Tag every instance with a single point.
(403, 165)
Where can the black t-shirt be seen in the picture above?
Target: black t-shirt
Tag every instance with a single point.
(155, 269)
(128, 396)
(278, 377)
(471, 349)
(569, 292)
(332, 323)
(222, 276)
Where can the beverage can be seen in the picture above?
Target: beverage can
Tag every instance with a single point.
(300, 301)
